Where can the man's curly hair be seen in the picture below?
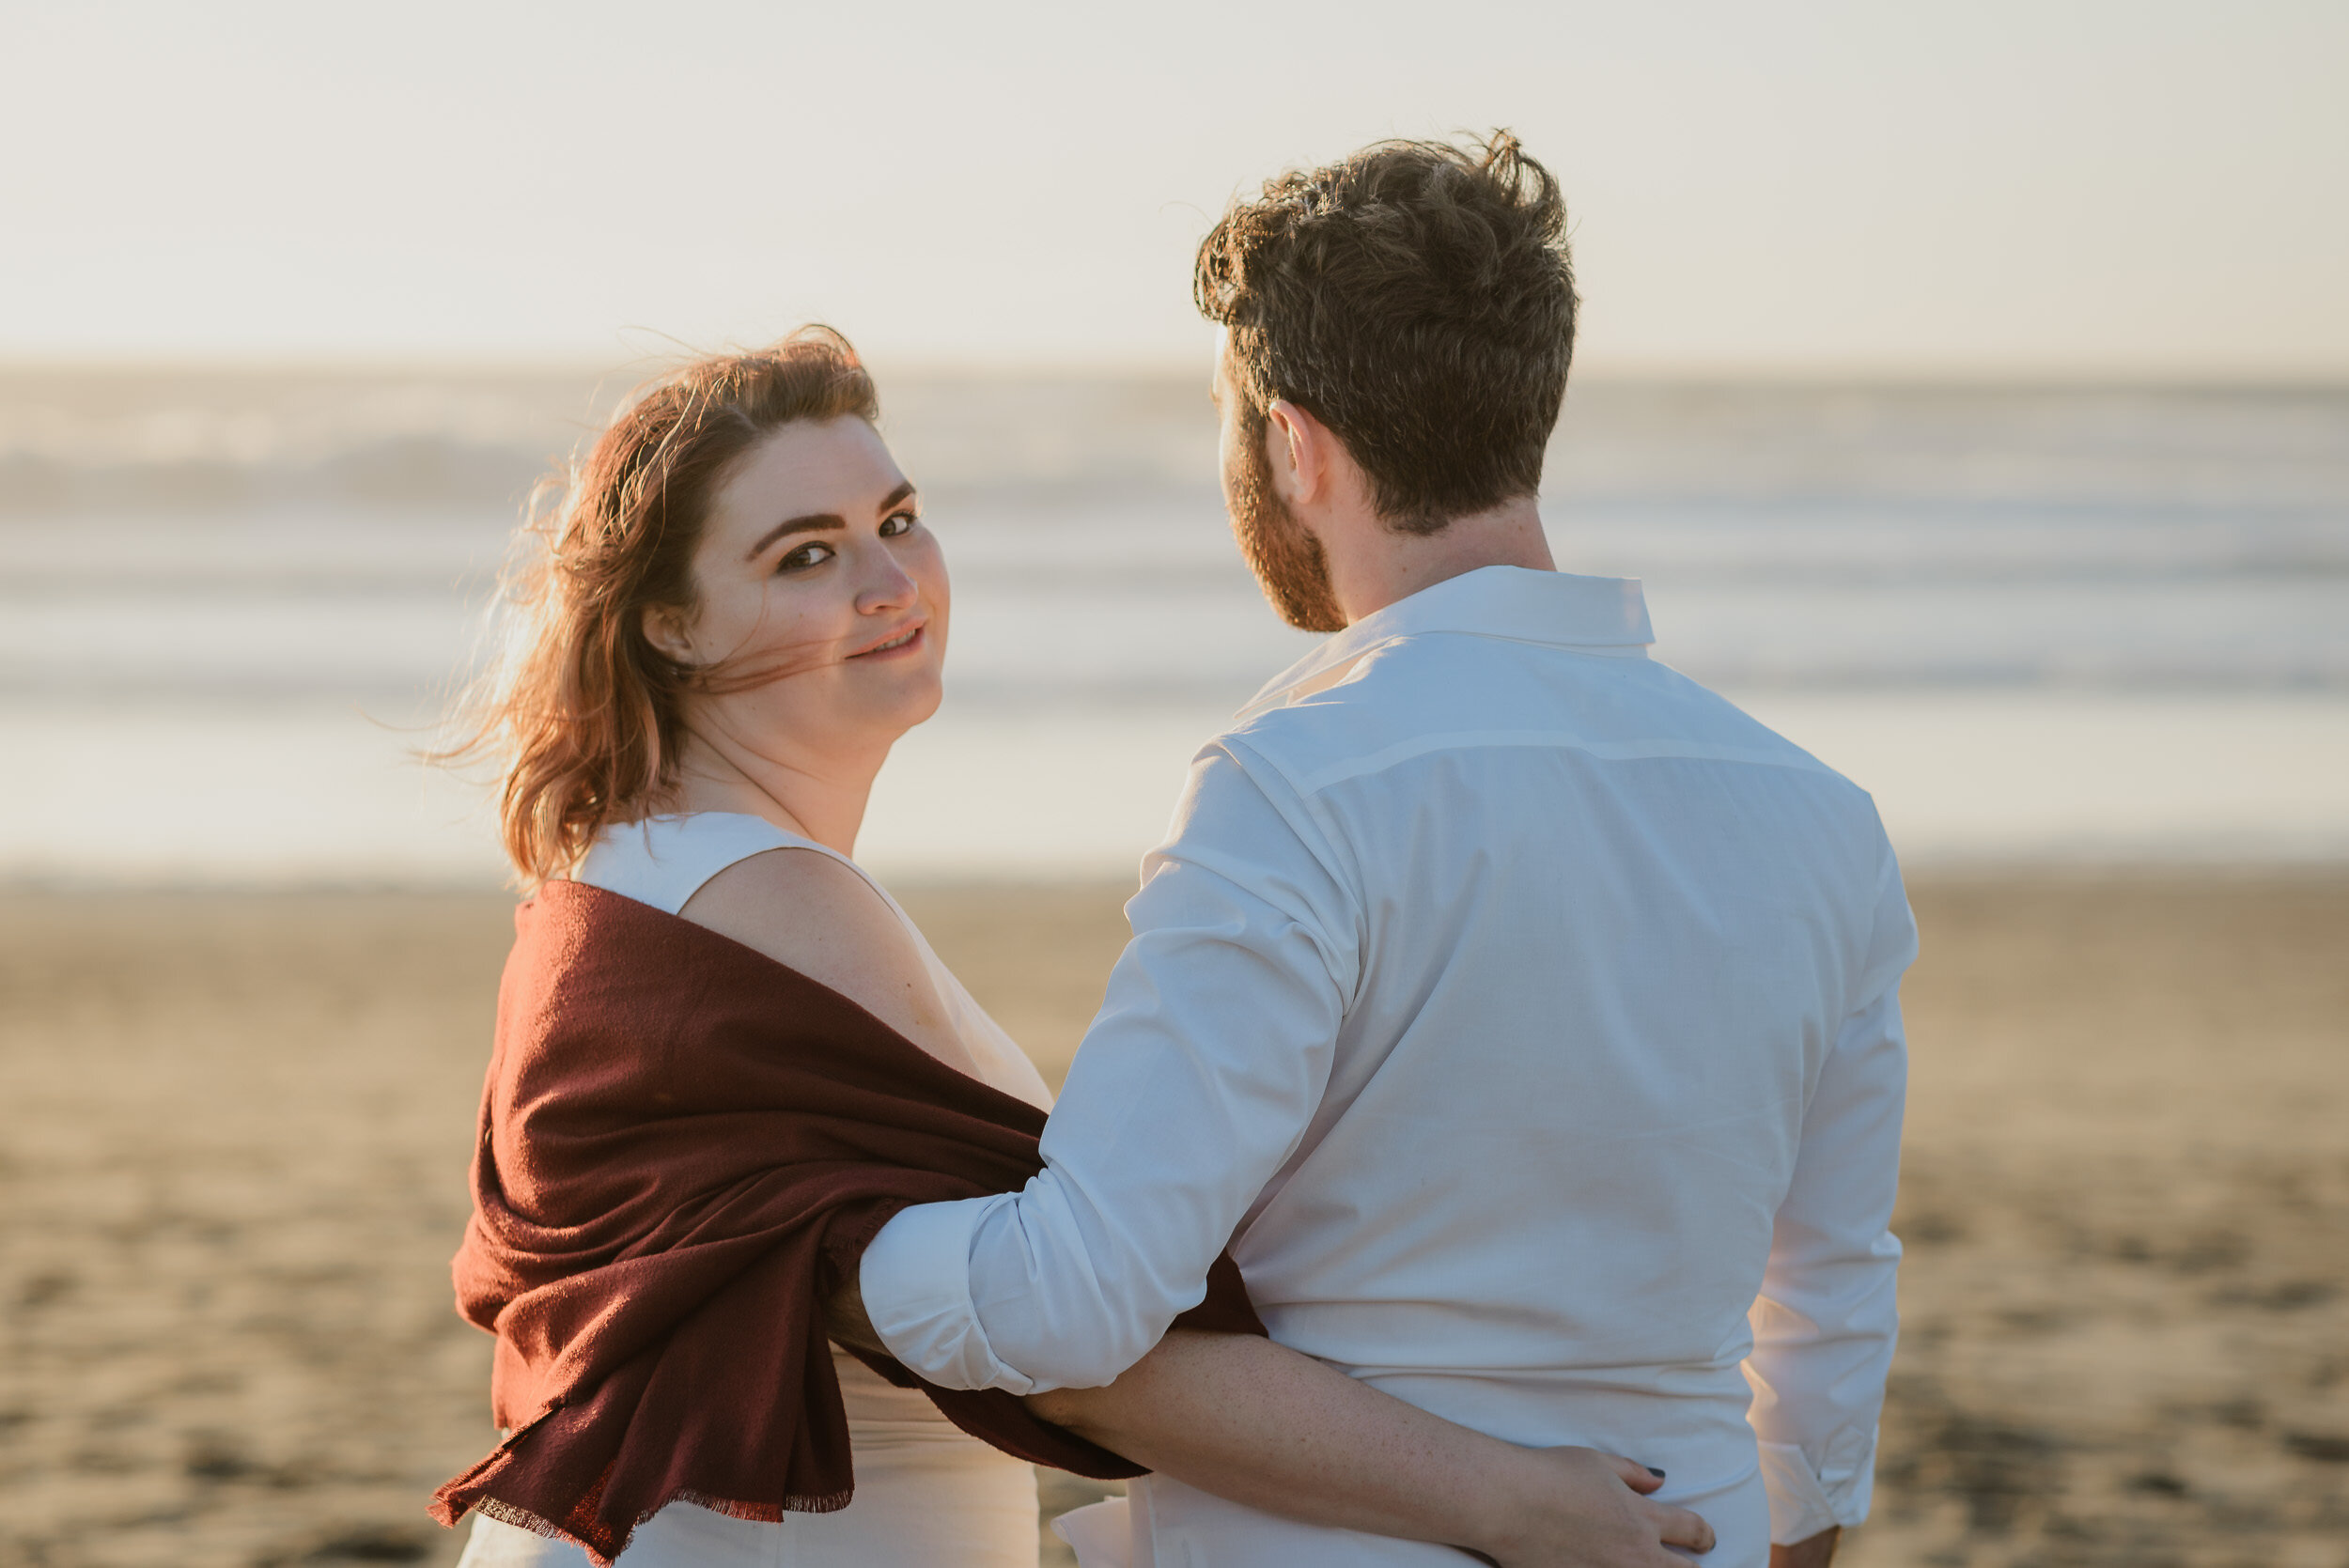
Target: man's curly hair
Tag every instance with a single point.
(1417, 299)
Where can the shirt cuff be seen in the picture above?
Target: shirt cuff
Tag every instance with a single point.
(915, 1279)
(1807, 1498)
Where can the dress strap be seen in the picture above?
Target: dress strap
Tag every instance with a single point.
(664, 861)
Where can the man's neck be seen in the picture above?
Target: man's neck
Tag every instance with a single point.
(1379, 565)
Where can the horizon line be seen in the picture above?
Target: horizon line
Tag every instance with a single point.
(1627, 371)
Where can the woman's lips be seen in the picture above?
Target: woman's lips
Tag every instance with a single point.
(908, 641)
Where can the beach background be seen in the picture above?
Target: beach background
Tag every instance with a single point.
(1939, 439)
(2090, 648)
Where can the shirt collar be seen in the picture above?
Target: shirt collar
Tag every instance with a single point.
(1598, 613)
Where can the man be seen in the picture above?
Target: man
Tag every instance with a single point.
(1523, 1016)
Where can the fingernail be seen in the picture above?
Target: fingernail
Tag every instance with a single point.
(1657, 1473)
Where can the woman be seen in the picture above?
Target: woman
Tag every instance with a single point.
(734, 618)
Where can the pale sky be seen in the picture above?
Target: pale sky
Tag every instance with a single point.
(1978, 188)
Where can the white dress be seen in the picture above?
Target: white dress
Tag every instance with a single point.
(927, 1494)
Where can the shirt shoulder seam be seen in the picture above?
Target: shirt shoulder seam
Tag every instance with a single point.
(1658, 749)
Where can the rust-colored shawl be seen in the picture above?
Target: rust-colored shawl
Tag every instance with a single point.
(683, 1146)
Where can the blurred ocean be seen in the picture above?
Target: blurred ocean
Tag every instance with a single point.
(2071, 624)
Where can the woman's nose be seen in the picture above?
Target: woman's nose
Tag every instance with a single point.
(888, 586)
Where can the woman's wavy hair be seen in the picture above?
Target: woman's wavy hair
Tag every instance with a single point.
(583, 712)
(1417, 299)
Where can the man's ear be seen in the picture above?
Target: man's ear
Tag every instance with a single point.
(1299, 447)
(664, 629)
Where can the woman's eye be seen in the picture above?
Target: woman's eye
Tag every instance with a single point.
(805, 556)
(896, 523)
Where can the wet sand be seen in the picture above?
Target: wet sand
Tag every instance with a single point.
(236, 1128)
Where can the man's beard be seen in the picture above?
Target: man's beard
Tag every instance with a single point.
(1288, 561)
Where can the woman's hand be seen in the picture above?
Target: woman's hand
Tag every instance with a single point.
(1579, 1508)
(1263, 1425)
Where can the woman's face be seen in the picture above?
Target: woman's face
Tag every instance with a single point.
(815, 572)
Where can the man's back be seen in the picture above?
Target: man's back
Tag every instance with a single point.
(1521, 983)
(1612, 931)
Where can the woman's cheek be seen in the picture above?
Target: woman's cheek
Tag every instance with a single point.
(787, 621)
(936, 586)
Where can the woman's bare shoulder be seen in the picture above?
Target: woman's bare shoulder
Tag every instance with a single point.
(808, 912)
(785, 899)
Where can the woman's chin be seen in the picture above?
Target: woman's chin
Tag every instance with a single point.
(926, 709)
(914, 704)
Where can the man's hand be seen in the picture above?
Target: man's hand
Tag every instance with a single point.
(1816, 1552)
(1579, 1508)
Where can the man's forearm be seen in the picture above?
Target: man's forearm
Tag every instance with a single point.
(1816, 1552)
(847, 1322)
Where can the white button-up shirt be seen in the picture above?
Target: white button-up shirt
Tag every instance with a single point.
(1524, 1017)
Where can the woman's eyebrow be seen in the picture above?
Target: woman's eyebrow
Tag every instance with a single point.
(795, 525)
(814, 521)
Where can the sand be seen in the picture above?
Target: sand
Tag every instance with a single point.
(236, 1128)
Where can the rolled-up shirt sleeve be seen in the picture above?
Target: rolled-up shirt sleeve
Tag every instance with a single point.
(1826, 1318)
(1196, 1083)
